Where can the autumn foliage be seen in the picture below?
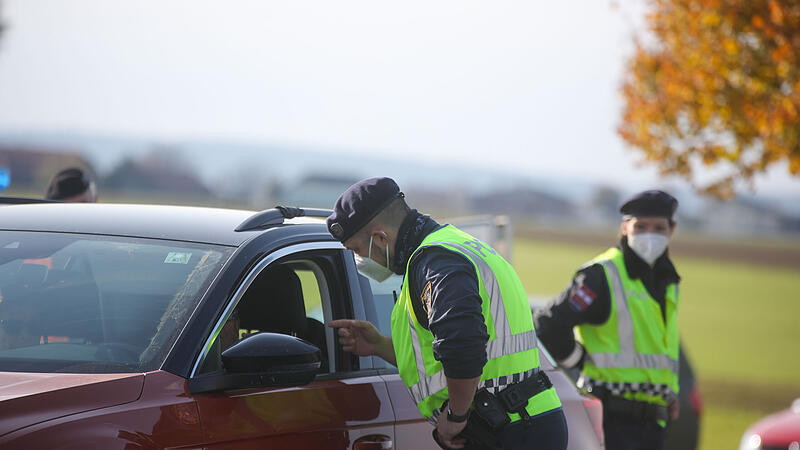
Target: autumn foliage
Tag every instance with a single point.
(716, 84)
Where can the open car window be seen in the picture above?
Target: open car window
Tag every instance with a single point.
(92, 304)
(293, 296)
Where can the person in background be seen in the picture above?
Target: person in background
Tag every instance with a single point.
(462, 333)
(72, 185)
(617, 322)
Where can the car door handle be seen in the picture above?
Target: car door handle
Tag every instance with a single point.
(373, 442)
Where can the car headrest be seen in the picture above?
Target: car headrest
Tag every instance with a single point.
(274, 303)
(31, 274)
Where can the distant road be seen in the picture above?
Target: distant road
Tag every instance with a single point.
(771, 253)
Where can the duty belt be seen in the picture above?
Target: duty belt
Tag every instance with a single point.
(494, 408)
(631, 409)
(491, 412)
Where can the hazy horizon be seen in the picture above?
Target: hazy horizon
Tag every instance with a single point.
(527, 88)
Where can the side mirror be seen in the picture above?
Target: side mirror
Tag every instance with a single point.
(262, 360)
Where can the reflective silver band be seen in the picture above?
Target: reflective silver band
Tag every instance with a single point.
(574, 358)
(624, 321)
(420, 390)
(638, 360)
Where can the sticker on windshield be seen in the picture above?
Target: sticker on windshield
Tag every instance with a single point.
(177, 258)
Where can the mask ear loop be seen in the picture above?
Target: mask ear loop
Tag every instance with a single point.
(369, 253)
(387, 257)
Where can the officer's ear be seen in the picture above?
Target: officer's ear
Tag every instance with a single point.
(672, 226)
(623, 227)
(380, 237)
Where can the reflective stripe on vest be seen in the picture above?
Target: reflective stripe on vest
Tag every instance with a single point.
(627, 356)
(504, 343)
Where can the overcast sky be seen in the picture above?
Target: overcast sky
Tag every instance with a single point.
(529, 86)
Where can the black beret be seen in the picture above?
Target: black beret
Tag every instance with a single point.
(359, 204)
(67, 183)
(653, 203)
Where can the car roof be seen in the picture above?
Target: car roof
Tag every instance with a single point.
(182, 223)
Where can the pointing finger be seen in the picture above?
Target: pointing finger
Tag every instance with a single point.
(341, 323)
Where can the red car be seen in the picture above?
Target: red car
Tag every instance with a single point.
(777, 431)
(140, 327)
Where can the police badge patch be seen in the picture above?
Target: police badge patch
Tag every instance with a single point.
(336, 230)
(425, 299)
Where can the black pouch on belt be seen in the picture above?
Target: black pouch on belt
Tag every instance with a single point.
(489, 408)
(477, 434)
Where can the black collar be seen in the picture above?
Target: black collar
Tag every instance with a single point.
(411, 233)
(638, 268)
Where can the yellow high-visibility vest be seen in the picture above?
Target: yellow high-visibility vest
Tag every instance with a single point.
(511, 350)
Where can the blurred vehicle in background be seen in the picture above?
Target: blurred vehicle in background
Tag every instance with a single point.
(584, 412)
(776, 431)
(684, 433)
(495, 230)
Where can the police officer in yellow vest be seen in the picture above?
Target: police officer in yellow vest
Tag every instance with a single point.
(617, 321)
(462, 334)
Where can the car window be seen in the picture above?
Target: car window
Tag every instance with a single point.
(379, 299)
(383, 295)
(287, 297)
(88, 304)
(311, 294)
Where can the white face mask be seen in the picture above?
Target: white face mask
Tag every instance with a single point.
(649, 246)
(371, 268)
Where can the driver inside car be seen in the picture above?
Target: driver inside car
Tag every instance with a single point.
(15, 319)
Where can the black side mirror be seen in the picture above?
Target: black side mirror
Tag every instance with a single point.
(263, 360)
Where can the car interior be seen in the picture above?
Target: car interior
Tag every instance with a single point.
(97, 303)
(274, 303)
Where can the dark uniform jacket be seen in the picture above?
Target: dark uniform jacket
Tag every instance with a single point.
(588, 300)
(454, 316)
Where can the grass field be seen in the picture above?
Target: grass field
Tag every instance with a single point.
(738, 322)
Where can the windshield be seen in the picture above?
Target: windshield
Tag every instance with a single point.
(92, 304)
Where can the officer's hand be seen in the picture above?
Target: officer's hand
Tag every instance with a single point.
(674, 410)
(358, 336)
(448, 430)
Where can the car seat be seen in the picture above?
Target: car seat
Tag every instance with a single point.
(274, 303)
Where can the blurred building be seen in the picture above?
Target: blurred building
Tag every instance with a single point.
(523, 202)
(161, 172)
(30, 169)
(740, 216)
(313, 190)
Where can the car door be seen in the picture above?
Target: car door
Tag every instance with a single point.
(296, 290)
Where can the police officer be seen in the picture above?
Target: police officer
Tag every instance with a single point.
(623, 308)
(72, 185)
(461, 326)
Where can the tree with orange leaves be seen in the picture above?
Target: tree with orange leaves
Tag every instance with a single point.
(718, 87)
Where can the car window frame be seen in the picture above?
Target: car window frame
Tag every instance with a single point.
(252, 273)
